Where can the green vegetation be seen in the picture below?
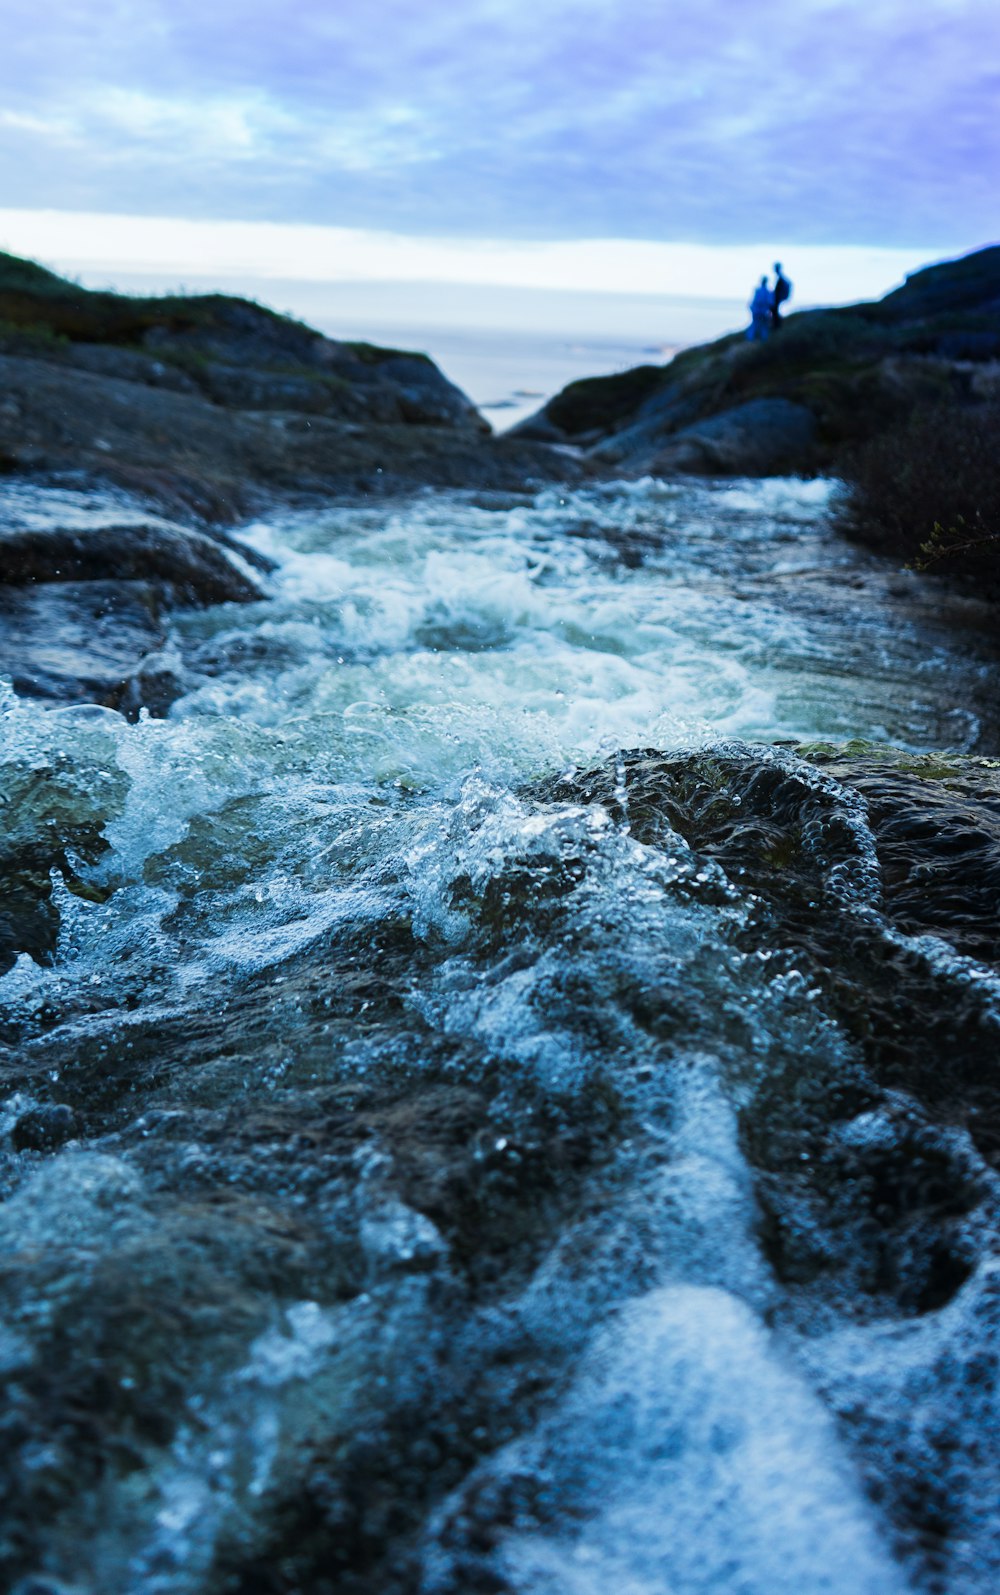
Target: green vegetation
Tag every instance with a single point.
(32, 298)
(372, 354)
(598, 402)
(929, 489)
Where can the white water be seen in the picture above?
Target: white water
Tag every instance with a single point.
(352, 748)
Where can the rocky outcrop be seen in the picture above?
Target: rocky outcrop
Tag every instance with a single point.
(212, 407)
(187, 566)
(829, 380)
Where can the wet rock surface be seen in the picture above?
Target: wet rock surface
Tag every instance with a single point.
(84, 608)
(305, 1220)
(187, 566)
(433, 1159)
(918, 857)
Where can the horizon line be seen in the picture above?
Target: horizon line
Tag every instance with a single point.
(93, 242)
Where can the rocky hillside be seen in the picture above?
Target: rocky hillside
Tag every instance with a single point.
(829, 380)
(210, 405)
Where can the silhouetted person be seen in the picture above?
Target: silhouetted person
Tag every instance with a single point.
(782, 291)
(761, 311)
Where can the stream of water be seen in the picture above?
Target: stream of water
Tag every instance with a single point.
(434, 1120)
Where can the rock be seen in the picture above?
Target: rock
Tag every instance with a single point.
(29, 923)
(426, 397)
(81, 607)
(758, 438)
(798, 401)
(106, 360)
(936, 822)
(43, 1128)
(186, 566)
(77, 642)
(43, 1584)
(870, 879)
(397, 1239)
(188, 456)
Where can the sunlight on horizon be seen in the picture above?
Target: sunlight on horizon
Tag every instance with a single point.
(98, 245)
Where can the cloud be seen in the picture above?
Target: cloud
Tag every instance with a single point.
(822, 120)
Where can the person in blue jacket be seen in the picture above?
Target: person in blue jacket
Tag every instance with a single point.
(761, 311)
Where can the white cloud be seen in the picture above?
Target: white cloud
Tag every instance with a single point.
(823, 119)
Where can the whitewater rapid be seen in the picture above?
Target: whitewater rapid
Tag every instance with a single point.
(335, 866)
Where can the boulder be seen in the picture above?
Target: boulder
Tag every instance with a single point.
(81, 608)
(44, 1128)
(760, 438)
(188, 567)
(77, 642)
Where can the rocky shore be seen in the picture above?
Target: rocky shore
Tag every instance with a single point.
(796, 402)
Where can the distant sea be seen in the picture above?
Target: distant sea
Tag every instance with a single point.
(509, 349)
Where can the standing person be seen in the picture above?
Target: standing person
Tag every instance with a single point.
(761, 311)
(782, 291)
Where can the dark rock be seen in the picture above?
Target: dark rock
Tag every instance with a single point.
(189, 456)
(840, 376)
(43, 1128)
(426, 397)
(154, 684)
(186, 566)
(77, 642)
(539, 429)
(106, 360)
(791, 837)
(244, 388)
(43, 1584)
(758, 438)
(29, 923)
(936, 821)
(81, 608)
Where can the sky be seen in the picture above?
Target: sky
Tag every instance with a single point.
(533, 130)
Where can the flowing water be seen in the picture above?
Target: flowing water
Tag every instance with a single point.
(473, 1186)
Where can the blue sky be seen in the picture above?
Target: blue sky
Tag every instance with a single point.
(825, 122)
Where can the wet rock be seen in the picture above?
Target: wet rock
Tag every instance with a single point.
(81, 608)
(48, 825)
(395, 1238)
(29, 922)
(187, 566)
(43, 1584)
(43, 1128)
(936, 822)
(871, 1167)
(78, 642)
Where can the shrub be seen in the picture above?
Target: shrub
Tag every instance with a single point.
(929, 489)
